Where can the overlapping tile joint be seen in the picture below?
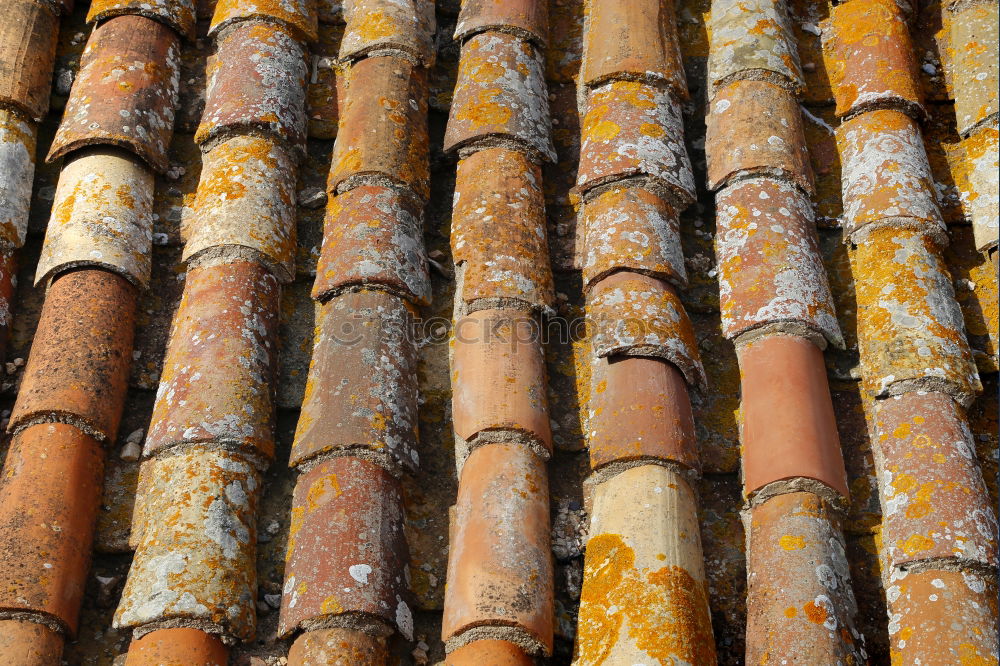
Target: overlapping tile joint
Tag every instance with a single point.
(714, 264)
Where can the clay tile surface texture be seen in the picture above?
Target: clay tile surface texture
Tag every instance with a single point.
(18, 141)
(983, 151)
(753, 39)
(125, 93)
(178, 14)
(634, 129)
(636, 40)
(645, 596)
(630, 228)
(400, 25)
(360, 393)
(28, 40)
(373, 237)
(500, 563)
(755, 128)
(498, 378)
(339, 647)
(256, 81)
(346, 550)
(383, 127)
(299, 16)
(28, 643)
(195, 560)
(911, 334)
(636, 315)
(78, 367)
(935, 502)
(789, 429)
(639, 409)
(800, 600)
(770, 269)
(528, 19)
(89, 227)
(498, 232)
(177, 647)
(872, 59)
(500, 97)
(885, 176)
(246, 198)
(975, 41)
(217, 380)
(50, 491)
(494, 652)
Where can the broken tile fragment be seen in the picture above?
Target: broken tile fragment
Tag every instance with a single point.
(28, 39)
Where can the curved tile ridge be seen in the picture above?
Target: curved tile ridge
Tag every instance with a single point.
(918, 373)
(777, 308)
(500, 584)
(644, 594)
(347, 565)
(211, 436)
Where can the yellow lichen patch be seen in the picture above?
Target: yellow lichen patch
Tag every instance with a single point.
(792, 542)
(916, 543)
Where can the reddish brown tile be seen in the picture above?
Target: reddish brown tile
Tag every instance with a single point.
(498, 377)
(564, 54)
(299, 16)
(789, 430)
(78, 367)
(8, 287)
(27, 643)
(18, 141)
(346, 549)
(177, 647)
(337, 647)
(499, 564)
(125, 93)
(498, 232)
(493, 652)
(374, 25)
(50, 492)
(383, 127)
(500, 97)
(327, 88)
(217, 384)
(362, 386)
(752, 40)
(178, 14)
(28, 38)
(975, 39)
(528, 19)
(373, 237)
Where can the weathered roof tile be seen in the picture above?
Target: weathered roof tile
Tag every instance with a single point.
(402, 25)
(178, 14)
(983, 201)
(337, 645)
(752, 39)
(28, 37)
(299, 16)
(976, 42)
(18, 141)
(528, 19)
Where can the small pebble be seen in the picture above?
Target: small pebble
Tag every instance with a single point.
(130, 452)
(311, 197)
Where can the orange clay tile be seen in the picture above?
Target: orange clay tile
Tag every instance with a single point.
(528, 19)
(789, 430)
(178, 14)
(498, 232)
(246, 199)
(361, 392)
(935, 504)
(983, 201)
(630, 228)
(800, 606)
(8, 288)
(911, 334)
(636, 315)
(499, 562)
(177, 647)
(493, 652)
(217, 382)
(645, 597)
(125, 93)
(346, 549)
(338, 647)
(378, 25)
(327, 88)
(373, 237)
(885, 176)
(634, 40)
(498, 378)
(500, 97)
(90, 228)
(639, 409)
(28, 39)
(383, 127)
(755, 128)
(942, 617)
(565, 43)
(77, 371)
(299, 16)
(50, 492)
(872, 61)
(256, 81)
(195, 557)
(27, 643)
(752, 39)
(18, 139)
(975, 40)
(771, 273)
(633, 129)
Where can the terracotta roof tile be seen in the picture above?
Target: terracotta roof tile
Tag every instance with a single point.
(299, 16)
(125, 93)
(527, 19)
(486, 651)
(8, 286)
(178, 14)
(500, 98)
(18, 139)
(564, 54)
(983, 153)
(752, 40)
(178, 645)
(29, 643)
(28, 40)
(379, 25)
(337, 646)
(327, 88)
(975, 39)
